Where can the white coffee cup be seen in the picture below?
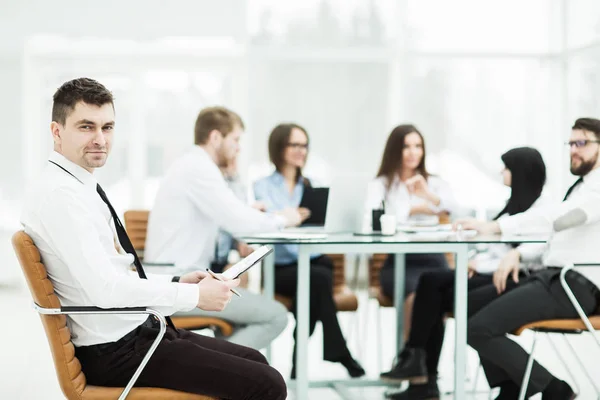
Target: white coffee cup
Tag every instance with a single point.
(388, 224)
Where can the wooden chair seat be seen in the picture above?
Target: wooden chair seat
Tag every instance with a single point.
(562, 325)
(68, 368)
(110, 393)
(343, 296)
(192, 323)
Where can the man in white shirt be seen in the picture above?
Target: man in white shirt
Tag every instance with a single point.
(193, 202)
(75, 227)
(575, 227)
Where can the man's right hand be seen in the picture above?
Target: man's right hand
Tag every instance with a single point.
(215, 295)
(294, 216)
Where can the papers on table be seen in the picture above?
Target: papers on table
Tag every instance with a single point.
(290, 236)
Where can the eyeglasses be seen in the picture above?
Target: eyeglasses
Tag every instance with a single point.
(580, 143)
(297, 146)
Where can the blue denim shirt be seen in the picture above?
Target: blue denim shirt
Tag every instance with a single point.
(273, 191)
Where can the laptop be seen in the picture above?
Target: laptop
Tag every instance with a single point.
(315, 199)
(345, 207)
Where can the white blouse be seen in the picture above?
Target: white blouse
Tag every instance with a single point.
(488, 261)
(399, 201)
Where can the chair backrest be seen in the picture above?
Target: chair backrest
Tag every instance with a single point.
(136, 223)
(68, 369)
(375, 265)
(445, 219)
(339, 269)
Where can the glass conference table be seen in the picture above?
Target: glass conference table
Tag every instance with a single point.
(401, 243)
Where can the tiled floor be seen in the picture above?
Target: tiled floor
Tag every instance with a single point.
(26, 370)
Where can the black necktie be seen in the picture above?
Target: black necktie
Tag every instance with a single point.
(573, 186)
(125, 241)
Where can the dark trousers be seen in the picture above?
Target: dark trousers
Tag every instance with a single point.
(434, 298)
(539, 297)
(322, 307)
(183, 361)
(415, 265)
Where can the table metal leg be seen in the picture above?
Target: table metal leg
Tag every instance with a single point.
(302, 323)
(460, 319)
(269, 287)
(399, 272)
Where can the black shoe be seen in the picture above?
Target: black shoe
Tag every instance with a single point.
(558, 390)
(509, 391)
(425, 391)
(409, 367)
(355, 370)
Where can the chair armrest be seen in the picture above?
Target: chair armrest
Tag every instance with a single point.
(582, 265)
(95, 310)
(74, 310)
(573, 299)
(157, 264)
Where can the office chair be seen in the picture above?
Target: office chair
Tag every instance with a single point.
(68, 368)
(564, 327)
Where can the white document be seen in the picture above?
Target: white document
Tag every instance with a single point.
(246, 263)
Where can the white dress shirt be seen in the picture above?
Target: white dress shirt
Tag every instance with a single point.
(72, 227)
(488, 261)
(192, 203)
(399, 201)
(579, 244)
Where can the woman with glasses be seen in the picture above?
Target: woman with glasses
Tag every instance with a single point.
(288, 151)
(525, 173)
(414, 196)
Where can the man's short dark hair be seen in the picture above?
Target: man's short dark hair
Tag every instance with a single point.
(588, 124)
(215, 118)
(72, 92)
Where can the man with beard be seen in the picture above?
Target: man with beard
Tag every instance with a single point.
(194, 202)
(575, 233)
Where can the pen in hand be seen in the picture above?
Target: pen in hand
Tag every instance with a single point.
(217, 277)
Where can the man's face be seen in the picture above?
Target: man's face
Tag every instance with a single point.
(86, 136)
(229, 147)
(585, 157)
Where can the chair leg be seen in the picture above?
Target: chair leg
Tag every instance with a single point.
(379, 334)
(476, 380)
(563, 361)
(363, 321)
(528, 369)
(585, 370)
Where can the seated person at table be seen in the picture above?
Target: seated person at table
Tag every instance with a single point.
(288, 150)
(525, 173)
(89, 259)
(575, 227)
(194, 202)
(412, 195)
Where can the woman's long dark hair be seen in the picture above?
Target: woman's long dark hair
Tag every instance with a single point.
(279, 141)
(391, 162)
(528, 171)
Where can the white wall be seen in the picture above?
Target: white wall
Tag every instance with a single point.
(347, 71)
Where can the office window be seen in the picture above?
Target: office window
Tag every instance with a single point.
(583, 23)
(511, 26)
(342, 106)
